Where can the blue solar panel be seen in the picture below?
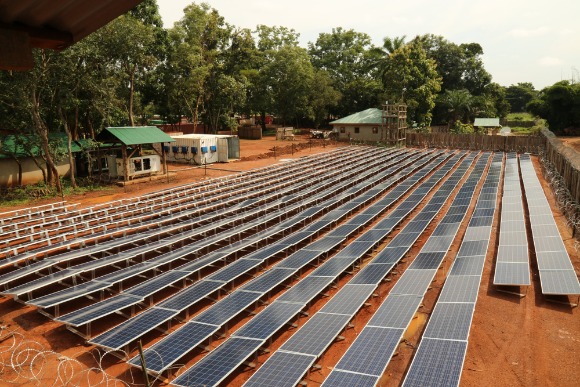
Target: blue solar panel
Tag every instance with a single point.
(404, 239)
(281, 369)
(268, 280)
(339, 378)
(155, 284)
(325, 244)
(372, 273)
(227, 308)
(316, 334)
(221, 362)
(371, 351)
(299, 259)
(396, 311)
(428, 260)
(334, 266)
(472, 248)
(191, 295)
(512, 274)
(415, 282)
(234, 270)
(460, 288)
(554, 260)
(438, 363)
(390, 255)
(269, 321)
(349, 299)
(98, 310)
(132, 329)
(450, 321)
(472, 265)
(356, 249)
(166, 352)
(306, 289)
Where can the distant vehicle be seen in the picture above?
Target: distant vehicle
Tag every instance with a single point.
(319, 134)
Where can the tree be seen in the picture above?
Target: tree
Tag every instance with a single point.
(350, 59)
(410, 77)
(559, 104)
(520, 95)
(459, 104)
(128, 44)
(323, 97)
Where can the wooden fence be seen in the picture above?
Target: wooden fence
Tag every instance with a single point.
(522, 144)
(566, 161)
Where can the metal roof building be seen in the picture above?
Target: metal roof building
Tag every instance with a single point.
(361, 126)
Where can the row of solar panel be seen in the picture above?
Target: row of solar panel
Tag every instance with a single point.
(137, 293)
(263, 326)
(118, 336)
(373, 348)
(233, 212)
(557, 275)
(441, 352)
(138, 216)
(512, 263)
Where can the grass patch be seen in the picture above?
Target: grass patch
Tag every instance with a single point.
(15, 196)
(523, 116)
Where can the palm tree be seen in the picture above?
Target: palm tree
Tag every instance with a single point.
(459, 104)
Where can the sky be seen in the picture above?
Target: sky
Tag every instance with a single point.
(535, 41)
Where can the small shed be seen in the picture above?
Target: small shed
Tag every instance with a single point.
(132, 139)
(361, 126)
(487, 124)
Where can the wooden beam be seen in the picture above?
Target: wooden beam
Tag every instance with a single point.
(15, 52)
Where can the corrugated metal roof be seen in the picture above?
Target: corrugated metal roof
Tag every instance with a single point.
(487, 122)
(370, 116)
(135, 135)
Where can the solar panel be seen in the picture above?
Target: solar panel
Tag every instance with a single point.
(472, 265)
(164, 353)
(334, 266)
(396, 311)
(339, 378)
(415, 282)
(471, 248)
(390, 255)
(316, 334)
(268, 280)
(227, 308)
(554, 260)
(129, 331)
(516, 238)
(371, 351)
(372, 273)
(325, 244)
(450, 321)
(438, 243)
(481, 221)
(269, 320)
(438, 363)
(217, 365)
(356, 249)
(373, 236)
(155, 284)
(98, 310)
(446, 229)
(349, 299)
(299, 259)
(556, 282)
(549, 243)
(234, 270)
(428, 260)
(281, 369)
(295, 238)
(460, 288)
(190, 295)
(404, 239)
(477, 233)
(306, 289)
(517, 253)
(344, 231)
(512, 274)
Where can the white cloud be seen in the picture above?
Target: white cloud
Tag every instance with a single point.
(529, 33)
(549, 61)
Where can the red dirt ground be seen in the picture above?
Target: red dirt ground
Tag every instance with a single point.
(513, 341)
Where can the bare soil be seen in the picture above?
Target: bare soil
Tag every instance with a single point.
(514, 341)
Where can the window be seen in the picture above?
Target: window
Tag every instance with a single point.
(357, 130)
(375, 130)
(342, 129)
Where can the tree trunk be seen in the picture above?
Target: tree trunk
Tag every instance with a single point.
(42, 131)
(69, 148)
(263, 119)
(131, 96)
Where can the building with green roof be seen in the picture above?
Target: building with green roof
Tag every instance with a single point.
(361, 126)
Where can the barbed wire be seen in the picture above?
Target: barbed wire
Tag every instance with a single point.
(564, 199)
(26, 361)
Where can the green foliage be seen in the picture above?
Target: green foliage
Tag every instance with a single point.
(410, 77)
(520, 95)
(559, 105)
(522, 116)
(460, 128)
